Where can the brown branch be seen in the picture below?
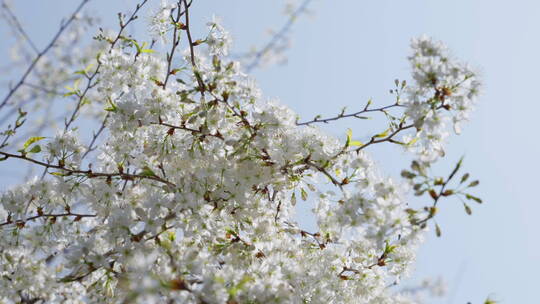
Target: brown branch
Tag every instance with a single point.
(82, 97)
(342, 115)
(124, 25)
(433, 209)
(22, 222)
(323, 171)
(184, 128)
(315, 236)
(202, 87)
(89, 173)
(175, 42)
(188, 33)
(388, 138)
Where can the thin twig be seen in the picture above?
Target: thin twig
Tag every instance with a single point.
(202, 87)
(19, 26)
(175, 42)
(43, 89)
(19, 222)
(286, 27)
(63, 26)
(342, 115)
(95, 137)
(90, 84)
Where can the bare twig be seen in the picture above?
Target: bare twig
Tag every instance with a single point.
(343, 115)
(202, 87)
(44, 89)
(63, 26)
(279, 35)
(19, 26)
(95, 137)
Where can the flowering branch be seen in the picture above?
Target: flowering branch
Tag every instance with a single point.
(88, 173)
(175, 215)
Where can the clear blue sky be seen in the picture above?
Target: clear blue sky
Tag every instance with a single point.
(350, 51)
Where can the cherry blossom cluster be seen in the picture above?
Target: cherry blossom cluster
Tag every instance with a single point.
(439, 83)
(191, 196)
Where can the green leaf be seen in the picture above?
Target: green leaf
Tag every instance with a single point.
(467, 209)
(32, 140)
(293, 199)
(112, 107)
(88, 67)
(73, 90)
(21, 112)
(389, 248)
(351, 142)
(147, 172)
(416, 166)
(383, 134)
(175, 71)
(58, 174)
(35, 149)
(464, 178)
(473, 184)
(474, 198)
(412, 141)
(408, 174)
(142, 49)
(438, 230)
(369, 103)
(85, 70)
(456, 169)
(349, 137)
(67, 279)
(448, 192)
(69, 93)
(304, 194)
(490, 301)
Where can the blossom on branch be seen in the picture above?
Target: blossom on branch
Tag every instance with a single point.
(191, 195)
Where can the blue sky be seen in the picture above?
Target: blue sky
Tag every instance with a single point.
(346, 52)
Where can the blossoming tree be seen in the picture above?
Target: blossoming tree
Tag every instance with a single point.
(186, 191)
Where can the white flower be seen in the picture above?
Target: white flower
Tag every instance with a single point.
(218, 40)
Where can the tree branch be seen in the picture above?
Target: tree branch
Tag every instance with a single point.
(42, 53)
(286, 27)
